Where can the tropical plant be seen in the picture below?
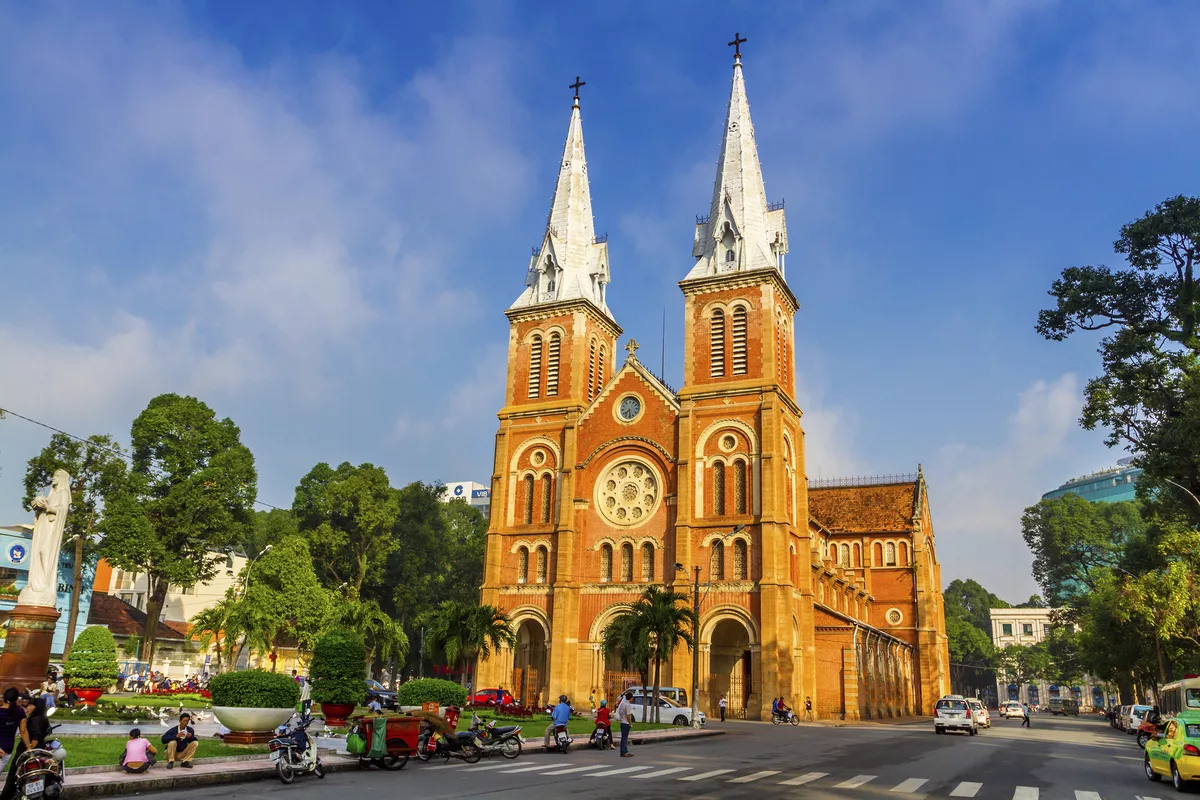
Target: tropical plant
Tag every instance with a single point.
(339, 667)
(624, 639)
(254, 688)
(282, 598)
(431, 690)
(92, 662)
(465, 631)
(667, 621)
(384, 637)
(214, 627)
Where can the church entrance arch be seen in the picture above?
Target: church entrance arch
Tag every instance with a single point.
(530, 664)
(731, 667)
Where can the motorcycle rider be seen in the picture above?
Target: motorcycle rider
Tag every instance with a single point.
(603, 720)
(560, 715)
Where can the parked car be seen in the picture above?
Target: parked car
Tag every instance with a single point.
(1137, 715)
(983, 717)
(952, 713)
(1123, 717)
(492, 697)
(668, 711)
(1175, 753)
(1011, 709)
(673, 693)
(377, 691)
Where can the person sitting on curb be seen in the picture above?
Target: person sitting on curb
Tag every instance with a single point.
(181, 742)
(139, 753)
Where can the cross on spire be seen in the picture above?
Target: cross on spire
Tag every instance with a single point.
(576, 86)
(736, 44)
(632, 347)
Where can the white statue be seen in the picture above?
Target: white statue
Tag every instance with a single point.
(50, 519)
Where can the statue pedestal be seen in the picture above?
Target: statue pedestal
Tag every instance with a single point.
(27, 647)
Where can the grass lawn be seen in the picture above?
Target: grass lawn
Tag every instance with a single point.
(88, 751)
(157, 700)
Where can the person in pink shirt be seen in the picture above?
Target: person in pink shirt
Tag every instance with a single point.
(139, 753)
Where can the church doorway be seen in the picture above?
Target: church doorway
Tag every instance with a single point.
(731, 668)
(530, 665)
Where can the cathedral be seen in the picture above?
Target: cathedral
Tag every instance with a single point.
(606, 481)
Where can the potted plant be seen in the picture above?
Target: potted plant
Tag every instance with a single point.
(339, 664)
(91, 666)
(253, 703)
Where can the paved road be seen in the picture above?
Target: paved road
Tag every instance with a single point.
(1058, 759)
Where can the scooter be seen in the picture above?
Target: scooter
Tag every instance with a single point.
(601, 737)
(465, 745)
(294, 752)
(562, 740)
(505, 740)
(40, 769)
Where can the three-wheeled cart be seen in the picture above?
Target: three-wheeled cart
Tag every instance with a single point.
(390, 740)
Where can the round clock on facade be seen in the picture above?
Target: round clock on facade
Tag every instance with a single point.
(630, 407)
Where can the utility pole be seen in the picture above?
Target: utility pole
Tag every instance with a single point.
(696, 649)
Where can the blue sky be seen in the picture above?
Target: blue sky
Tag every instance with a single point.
(313, 215)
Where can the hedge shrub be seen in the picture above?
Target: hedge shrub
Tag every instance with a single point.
(254, 688)
(339, 668)
(92, 662)
(429, 690)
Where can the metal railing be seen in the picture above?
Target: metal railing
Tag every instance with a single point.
(775, 206)
(862, 480)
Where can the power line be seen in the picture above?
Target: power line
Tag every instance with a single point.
(114, 450)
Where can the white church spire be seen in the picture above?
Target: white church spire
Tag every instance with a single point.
(572, 262)
(742, 231)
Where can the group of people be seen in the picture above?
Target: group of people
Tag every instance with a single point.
(560, 716)
(24, 725)
(780, 708)
(155, 681)
(180, 741)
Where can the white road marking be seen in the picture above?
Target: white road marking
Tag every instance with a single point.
(1141, 797)
(855, 782)
(807, 777)
(1025, 793)
(621, 771)
(909, 786)
(966, 789)
(522, 769)
(569, 770)
(757, 776)
(1087, 796)
(480, 768)
(714, 773)
(662, 772)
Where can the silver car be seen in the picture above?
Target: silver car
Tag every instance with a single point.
(953, 713)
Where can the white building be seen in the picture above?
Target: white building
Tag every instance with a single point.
(476, 494)
(180, 604)
(1026, 627)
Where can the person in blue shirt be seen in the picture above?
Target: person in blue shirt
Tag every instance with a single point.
(774, 707)
(561, 715)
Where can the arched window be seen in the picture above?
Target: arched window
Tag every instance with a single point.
(833, 556)
(891, 554)
(528, 499)
(857, 555)
(716, 563)
(719, 489)
(739, 487)
(552, 365)
(716, 354)
(903, 554)
(877, 553)
(844, 561)
(547, 497)
(627, 563)
(729, 256)
(600, 369)
(647, 562)
(739, 560)
(541, 564)
(606, 563)
(535, 366)
(592, 372)
(522, 565)
(739, 340)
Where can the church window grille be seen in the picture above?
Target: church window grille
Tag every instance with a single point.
(647, 562)
(592, 372)
(606, 563)
(891, 554)
(739, 560)
(739, 341)
(600, 371)
(522, 565)
(716, 563)
(535, 367)
(739, 487)
(719, 489)
(845, 559)
(627, 563)
(552, 365)
(541, 564)
(547, 497)
(717, 344)
(528, 499)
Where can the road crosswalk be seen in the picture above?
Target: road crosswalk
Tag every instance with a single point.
(913, 786)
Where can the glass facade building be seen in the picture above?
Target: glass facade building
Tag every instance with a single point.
(1106, 486)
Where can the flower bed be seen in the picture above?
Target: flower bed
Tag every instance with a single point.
(183, 694)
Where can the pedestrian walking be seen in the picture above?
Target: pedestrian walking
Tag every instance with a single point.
(1025, 716)
(305, 697)
(625, 717)
(592, 700)
(808, 712)
(722, 704)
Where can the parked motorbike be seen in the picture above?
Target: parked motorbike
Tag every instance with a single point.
(562, 740)
(465, 745)
(40, 769)
(505, 740)
(294, 752)
(601, 737)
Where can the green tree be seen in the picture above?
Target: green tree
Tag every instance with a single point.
(97, 469)
(417, 570)
(466, 632)
(385, 637)
(466, 534)
(191, 488)
(968, 600)
(268, 529)
(972, 654)
(216, 627)
(624, 639)
(666, 621)
(283, 598)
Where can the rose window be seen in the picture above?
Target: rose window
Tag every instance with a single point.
(628, 493)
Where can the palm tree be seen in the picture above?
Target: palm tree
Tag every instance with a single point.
(385, 636)
(625, 638)
(216, 626)
(667, 622)
(466, 632)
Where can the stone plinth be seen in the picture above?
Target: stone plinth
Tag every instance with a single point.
(27, 648)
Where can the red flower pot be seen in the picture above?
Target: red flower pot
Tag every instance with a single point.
(336, 713)
(89, 696)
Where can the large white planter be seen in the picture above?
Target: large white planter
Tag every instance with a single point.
(252, 720)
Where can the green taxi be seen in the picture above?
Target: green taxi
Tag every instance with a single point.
(1175, 753)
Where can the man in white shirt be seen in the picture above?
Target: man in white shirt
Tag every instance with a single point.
(625, 717)
(723, 704)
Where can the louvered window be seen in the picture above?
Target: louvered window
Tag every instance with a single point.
(541, 565)
(547, 485)
(739, 560)
(522, 565)
(627, 563)
(552, 366)
(719, 489)
(592, 372)
(535, 366)
(528, 499)
(716, 355)
(600, 370)
(716, 563)
(739, 487)
(606, 563)
(739, 341)
(647, 562)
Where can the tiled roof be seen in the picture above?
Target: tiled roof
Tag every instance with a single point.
(864, 508)
(123, 619)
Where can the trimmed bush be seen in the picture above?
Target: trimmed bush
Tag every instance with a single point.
(92, 662)
(430, 690)
(339, 667)
(254, 688)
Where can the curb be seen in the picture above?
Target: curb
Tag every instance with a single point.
(176, 780)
